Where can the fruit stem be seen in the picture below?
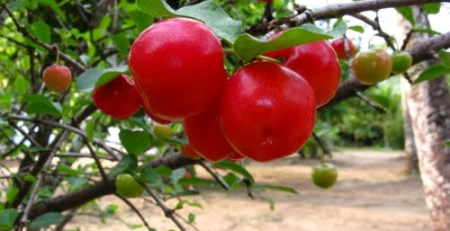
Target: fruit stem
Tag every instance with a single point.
(56, 50)
(269, 59)
(228, 51)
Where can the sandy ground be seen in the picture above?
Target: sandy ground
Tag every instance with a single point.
(371, 195)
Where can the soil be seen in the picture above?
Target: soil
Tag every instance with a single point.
(371, 195)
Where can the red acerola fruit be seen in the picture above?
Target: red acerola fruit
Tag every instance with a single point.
(205, 135)
(339, 47)
(118, 98)
(318, 64)
(57, 77)
(267, 111)
(151, 115)
(234, 157)
(178, 66)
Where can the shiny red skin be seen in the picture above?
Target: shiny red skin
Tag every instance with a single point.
(152, 116)
(205, 135)
(267, 111)
(178, 66)
(318, 64)
(234, 157)
(118, 98)
(338, 46)
(57, 77)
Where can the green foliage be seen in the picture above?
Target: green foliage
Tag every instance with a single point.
(46, 220)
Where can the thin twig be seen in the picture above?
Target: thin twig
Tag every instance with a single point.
(25, 134)
(96, 159)
(213, 174)
(322, 144)
(167, 212)
(376, 26)
(136, 210)
(48, 47)
(40, 178)
(377, 107)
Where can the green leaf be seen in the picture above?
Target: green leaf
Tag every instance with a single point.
(248, 47)
(39, 104)
(93, 78)
(11, 193)
(67, 170)
(46, 220)
(338, 29)
(216, 18)
(426, 31)
(226, 164)
(7, 218)
(135, 142)
(359, 29)
(183, 194)
(55, 7)
(232, 180)
(90, 125)
(208, 12)
(21, 85)
(407, 12)
(194, 181)
(5, 101)
(128, 163)
(41, 30)
(191, 218)
(447, 143)
(275, 187)
(147, 175)
(122, 44)
(142, 20)
(432, 8)
(156, 8)
(163, 170)
(444, 57)
(432, 72)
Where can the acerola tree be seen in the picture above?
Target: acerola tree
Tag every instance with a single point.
(223, 95)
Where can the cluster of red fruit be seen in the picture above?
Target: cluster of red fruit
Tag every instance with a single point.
(264, 111)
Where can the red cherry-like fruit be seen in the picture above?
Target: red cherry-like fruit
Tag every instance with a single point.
(267, 111)
(205, 135)
(317, 63)
(152, 116)
(339, 47)
(118, 98)
(57, 77)
(234, 157)
(178, 66)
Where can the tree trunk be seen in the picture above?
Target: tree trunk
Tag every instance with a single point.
(429, 104)
(411, 159)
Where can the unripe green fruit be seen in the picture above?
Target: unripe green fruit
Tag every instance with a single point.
(401, 61)
(372, 66)
(162, 130)
(324, 175)
(127, 186)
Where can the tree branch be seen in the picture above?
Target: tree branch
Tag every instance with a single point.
(341, 9)
(99, 189)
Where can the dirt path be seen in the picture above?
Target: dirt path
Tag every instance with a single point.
(371, 195)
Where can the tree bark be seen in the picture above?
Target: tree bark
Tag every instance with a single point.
(429, 104)
(411, 159)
